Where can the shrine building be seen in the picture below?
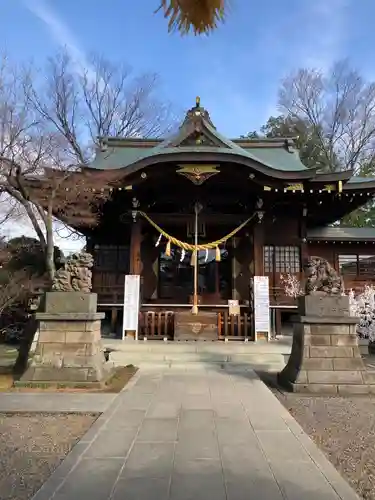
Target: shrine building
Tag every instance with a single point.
(251, 207)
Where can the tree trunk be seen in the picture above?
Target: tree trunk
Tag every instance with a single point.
(21, 363)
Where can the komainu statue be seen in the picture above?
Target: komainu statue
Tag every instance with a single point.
(321, 278)
(75, 275)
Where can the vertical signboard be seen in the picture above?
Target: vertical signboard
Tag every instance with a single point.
(261, 306)
(131, 305)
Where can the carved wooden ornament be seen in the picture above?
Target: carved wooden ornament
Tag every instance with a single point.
(198, 174)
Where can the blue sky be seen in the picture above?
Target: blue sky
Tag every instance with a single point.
(235, 71)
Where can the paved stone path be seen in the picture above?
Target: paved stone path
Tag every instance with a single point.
(55, 402)
(190, 436)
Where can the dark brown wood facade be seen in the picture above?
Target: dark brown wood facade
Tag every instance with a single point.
(273, 244)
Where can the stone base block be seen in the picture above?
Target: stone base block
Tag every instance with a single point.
(69, 347)
(70, 302)
(67, 374)
(324, 306)
(325, 357)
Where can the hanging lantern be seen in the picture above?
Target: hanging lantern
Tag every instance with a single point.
(168, 249)
(218, 255)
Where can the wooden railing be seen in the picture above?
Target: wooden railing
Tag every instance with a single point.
(234, 327)
(156, 325)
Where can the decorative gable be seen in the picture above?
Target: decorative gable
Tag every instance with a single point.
(198, 139)
(197, 130)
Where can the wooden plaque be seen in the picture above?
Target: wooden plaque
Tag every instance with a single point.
(201, 326)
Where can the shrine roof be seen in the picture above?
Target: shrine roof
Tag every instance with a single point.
(198, 135)
(197, 140)
(122, 156)
(342, 233)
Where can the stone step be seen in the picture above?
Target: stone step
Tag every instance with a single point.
(270, 356)
(267, 363)
(230, 367)
(222, 348)
(199, 357)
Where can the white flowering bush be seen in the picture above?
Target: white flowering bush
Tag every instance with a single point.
(292, 285)
(363, 306)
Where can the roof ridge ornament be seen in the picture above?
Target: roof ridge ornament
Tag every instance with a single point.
(196, 114)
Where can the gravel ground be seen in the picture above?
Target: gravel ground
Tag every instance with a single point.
(344, 428)
(32, 446)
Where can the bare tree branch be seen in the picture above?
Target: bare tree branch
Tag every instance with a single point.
(340, 107)
(48, 132)
(104, 100)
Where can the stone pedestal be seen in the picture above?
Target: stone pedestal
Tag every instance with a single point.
(325, 355)
(69, 348)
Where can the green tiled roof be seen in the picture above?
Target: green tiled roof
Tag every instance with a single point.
(279, 158)
(121, 153)
(272, 157)
(341, 233)
(358, 179)
(117, 157)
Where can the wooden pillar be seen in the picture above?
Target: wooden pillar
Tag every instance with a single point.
(217, 279)
(235, 270)
(113, 319)
(278, 322)
(135, 258)
(89, 244)
(155, 269)
(135, 247)
(258, 243)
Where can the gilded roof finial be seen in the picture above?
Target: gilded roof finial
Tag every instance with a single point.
(198, 101)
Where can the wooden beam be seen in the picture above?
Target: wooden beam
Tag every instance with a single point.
(217, 218)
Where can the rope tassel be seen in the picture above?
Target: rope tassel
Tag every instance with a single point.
(168, 249)
(192, 260)
(218, 255)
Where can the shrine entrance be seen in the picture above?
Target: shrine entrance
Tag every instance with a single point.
(176, 277)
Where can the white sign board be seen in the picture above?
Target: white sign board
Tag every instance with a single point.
(261, 305)
(234, 307)
(131, 304)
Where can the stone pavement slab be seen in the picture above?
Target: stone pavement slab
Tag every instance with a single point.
(168, 436)
(54, 402)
